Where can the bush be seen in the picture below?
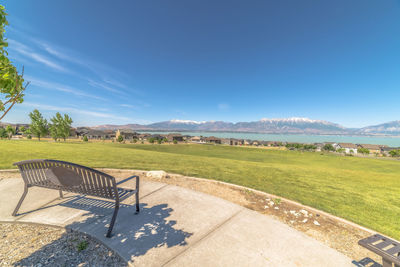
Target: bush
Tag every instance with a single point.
(134, 140)
(29, 136)
(85, 139)
(152, 140)
(175, 142)
(328, 147)
(363, 151)
(159, 141)
(120, 138)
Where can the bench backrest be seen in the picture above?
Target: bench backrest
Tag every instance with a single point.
(86, 181)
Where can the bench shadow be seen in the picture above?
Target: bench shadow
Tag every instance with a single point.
(133, 234)
(366, 262)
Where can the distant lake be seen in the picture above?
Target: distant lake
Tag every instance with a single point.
(390, 141)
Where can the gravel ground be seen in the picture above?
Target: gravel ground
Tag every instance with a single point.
(34, 245)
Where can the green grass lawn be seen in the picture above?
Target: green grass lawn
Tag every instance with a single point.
(365, 191)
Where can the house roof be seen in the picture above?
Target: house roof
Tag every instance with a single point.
(348, 145)
(371, 147)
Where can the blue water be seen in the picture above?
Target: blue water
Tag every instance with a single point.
(390, 141)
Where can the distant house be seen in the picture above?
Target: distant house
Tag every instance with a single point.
(213, 140)
(246, 142)
(197, 139)
(127, 135)
(385, 150)
(319, 146)
(373, 149)
(225, 141)
(235, 142)
(175, 137)
(255, 143)
(348, 147)
(144, 137)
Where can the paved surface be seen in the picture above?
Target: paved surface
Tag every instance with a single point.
(176, 227)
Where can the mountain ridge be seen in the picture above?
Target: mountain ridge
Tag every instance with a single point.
(293, 125)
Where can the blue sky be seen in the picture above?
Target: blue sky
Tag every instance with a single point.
(123, 62)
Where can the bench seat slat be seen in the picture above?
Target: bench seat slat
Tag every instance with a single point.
(394, 250)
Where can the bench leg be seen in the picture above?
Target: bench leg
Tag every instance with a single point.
(20, 201)
(113, 219)
(386, 263)
(61, 194)
(137, 195)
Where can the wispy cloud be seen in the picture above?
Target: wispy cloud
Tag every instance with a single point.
(61, 88)
(223, 106)
(27, 52)
(76, 110)
(104, 86)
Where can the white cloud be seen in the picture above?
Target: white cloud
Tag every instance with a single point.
(223, 106)
(61, 88)
(76, 111)
(27, 52)
(104, 86)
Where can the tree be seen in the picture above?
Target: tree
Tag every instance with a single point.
(3, 133)
(11, 82)
(85, 139)
(120, 138)
(159, 141)
(22, 129)
(363, 150)
(60, 126)
(10, 131)
(151, 140)
(328, 147)
(175, 142)
(39, 126)
(395, 153)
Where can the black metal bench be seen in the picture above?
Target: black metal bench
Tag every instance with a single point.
(70, 177)
(385, 247)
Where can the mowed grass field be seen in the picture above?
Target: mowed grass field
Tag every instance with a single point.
(363, 190)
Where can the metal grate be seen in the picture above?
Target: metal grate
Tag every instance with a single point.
(385, 247)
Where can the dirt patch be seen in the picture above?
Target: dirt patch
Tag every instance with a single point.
(36, 245)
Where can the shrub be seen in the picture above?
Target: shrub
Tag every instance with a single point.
(82, 245)
(159, 141)
(29, 136)
(175, 142)
(328, 147)
(152, 140)
(85, 139)
(120, 138)
(363, 151)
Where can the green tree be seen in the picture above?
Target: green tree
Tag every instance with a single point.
(22, 129)
(60, 126)
(10, 131)
(395, 153)
(151, 140)
(120, 138)
(159, 141)
(328, 147)
(11, 82)
(175, 142)
(39, 126)
(363, 150)
(85, 139)
(3, 133)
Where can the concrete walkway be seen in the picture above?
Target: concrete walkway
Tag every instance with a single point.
(176, 227)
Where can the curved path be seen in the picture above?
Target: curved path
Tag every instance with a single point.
(176, 227)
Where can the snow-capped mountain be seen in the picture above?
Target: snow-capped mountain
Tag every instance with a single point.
(288, 125)
(389, 128)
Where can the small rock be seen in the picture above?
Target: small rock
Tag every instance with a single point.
(156, 174)
(277, 208)
(292, 222)
(305, 220)
(304, 212)
(271, 203)
(316, 223)
(293, 212)
(266, 207)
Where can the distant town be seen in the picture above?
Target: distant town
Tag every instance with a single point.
(21, 131)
